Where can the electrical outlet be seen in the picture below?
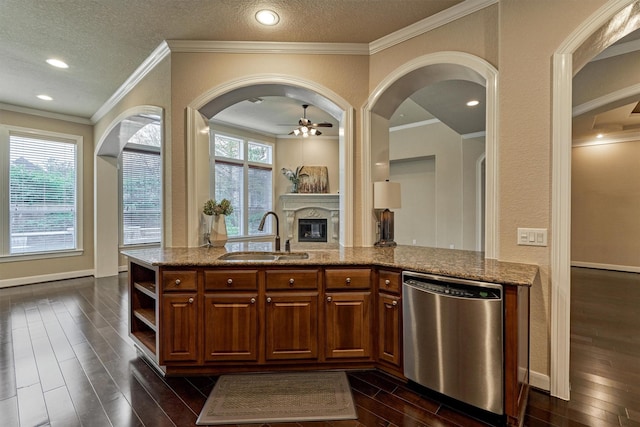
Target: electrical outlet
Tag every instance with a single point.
(532, 236)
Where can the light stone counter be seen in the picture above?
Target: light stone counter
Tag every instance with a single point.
(446, 262)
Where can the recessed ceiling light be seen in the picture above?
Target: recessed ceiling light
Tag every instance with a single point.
(267, 17)
(473, 103)
(45, 97)
(599, 135)
(57, 63)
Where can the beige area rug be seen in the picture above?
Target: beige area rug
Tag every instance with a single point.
(279, 397)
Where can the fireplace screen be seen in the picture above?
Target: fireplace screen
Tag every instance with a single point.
(312, 230)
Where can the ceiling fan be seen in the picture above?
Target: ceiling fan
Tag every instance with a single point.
(306, 127)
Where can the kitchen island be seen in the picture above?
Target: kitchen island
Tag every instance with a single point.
(194, 313)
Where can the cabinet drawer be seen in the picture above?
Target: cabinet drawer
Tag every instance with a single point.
(292, 279)
(348, 278)
(179, 280)
(389, 281)
(230, 280)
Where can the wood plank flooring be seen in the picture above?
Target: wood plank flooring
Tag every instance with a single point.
(65, 360)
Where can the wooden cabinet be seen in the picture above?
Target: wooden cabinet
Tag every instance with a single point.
(179, 316)
(348, 320)
(231, 327)
(231, 324)
(291, 320)
(179, 328)
(291, 314)
(389, 318)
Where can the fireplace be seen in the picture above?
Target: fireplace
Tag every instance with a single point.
(311, 219)
(312, 230)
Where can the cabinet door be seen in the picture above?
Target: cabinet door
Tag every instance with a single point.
(389, 329)
(179, 327)
(292, 326)
(348, 325)
(231, 327)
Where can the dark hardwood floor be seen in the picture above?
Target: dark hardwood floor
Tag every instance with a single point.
(65, 360)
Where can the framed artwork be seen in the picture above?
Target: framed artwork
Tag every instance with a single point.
(313, 179)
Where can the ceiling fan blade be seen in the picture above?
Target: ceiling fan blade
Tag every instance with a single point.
(322, 125)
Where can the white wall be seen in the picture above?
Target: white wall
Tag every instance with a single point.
(432, 164)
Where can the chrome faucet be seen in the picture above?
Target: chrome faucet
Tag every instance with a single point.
(261, 227)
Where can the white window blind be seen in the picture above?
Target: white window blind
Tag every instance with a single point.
(42, 194)
(141, 197)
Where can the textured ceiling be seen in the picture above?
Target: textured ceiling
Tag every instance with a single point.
(105, 41)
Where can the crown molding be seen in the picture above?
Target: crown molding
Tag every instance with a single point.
(46, 114)
(614, 138)
(447, 16)
(414, 125)
(205, 46)
(161, 52)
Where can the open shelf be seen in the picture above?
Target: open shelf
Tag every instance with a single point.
(143, 299)
(146, 338)
(147, 316)
(147, 288)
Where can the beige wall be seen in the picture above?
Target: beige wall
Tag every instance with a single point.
(62, 265)
(445, 186)
(195, 74)
(605, 204)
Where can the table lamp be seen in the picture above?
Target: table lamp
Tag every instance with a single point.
(386, 195)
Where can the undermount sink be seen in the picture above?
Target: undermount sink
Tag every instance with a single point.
(263, 256)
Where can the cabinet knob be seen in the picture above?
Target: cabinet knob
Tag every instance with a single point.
(387, 282)
(291, 281)
(177, 282)
(229, 282)
(394, 303)
(190, 300)
(252, 300)
(269, 299)
(348, 280)
(329, 299)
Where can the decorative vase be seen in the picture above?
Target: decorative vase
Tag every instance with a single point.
(294, 186)
(218, 231)
(207, 222)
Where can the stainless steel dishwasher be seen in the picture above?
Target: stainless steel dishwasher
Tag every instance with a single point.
(453, 338)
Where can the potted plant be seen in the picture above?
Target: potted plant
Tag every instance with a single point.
(215, 221)
(294, 177)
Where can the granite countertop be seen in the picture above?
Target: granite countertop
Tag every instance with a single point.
(446, 262)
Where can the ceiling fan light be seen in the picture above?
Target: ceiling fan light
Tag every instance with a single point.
(304, 129)
(313, 131)
(296, 132)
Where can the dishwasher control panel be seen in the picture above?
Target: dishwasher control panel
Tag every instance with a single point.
(457, 288)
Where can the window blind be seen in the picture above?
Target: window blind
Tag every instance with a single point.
(42, 194)
(141, 197)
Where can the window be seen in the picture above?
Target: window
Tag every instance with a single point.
(44, 192)
(244, 175)
(141, 172)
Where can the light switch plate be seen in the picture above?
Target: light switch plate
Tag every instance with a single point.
(532, 236)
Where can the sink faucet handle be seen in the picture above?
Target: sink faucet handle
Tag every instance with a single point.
(287, 246)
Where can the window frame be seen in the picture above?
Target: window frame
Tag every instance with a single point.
(246, 165)
(5, 234)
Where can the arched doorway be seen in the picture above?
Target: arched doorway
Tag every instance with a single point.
(106, 218)
(221, 97)
(384, 100)
(613, 21)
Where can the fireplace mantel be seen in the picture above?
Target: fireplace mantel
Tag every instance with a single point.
(311, 205)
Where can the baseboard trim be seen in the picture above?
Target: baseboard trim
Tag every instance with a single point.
(539, 381)
(123, 268)
(19, 281)
(614, 267)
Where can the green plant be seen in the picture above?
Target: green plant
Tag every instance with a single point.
(211, 207)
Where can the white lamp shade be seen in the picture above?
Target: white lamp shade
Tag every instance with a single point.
(386, 195)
